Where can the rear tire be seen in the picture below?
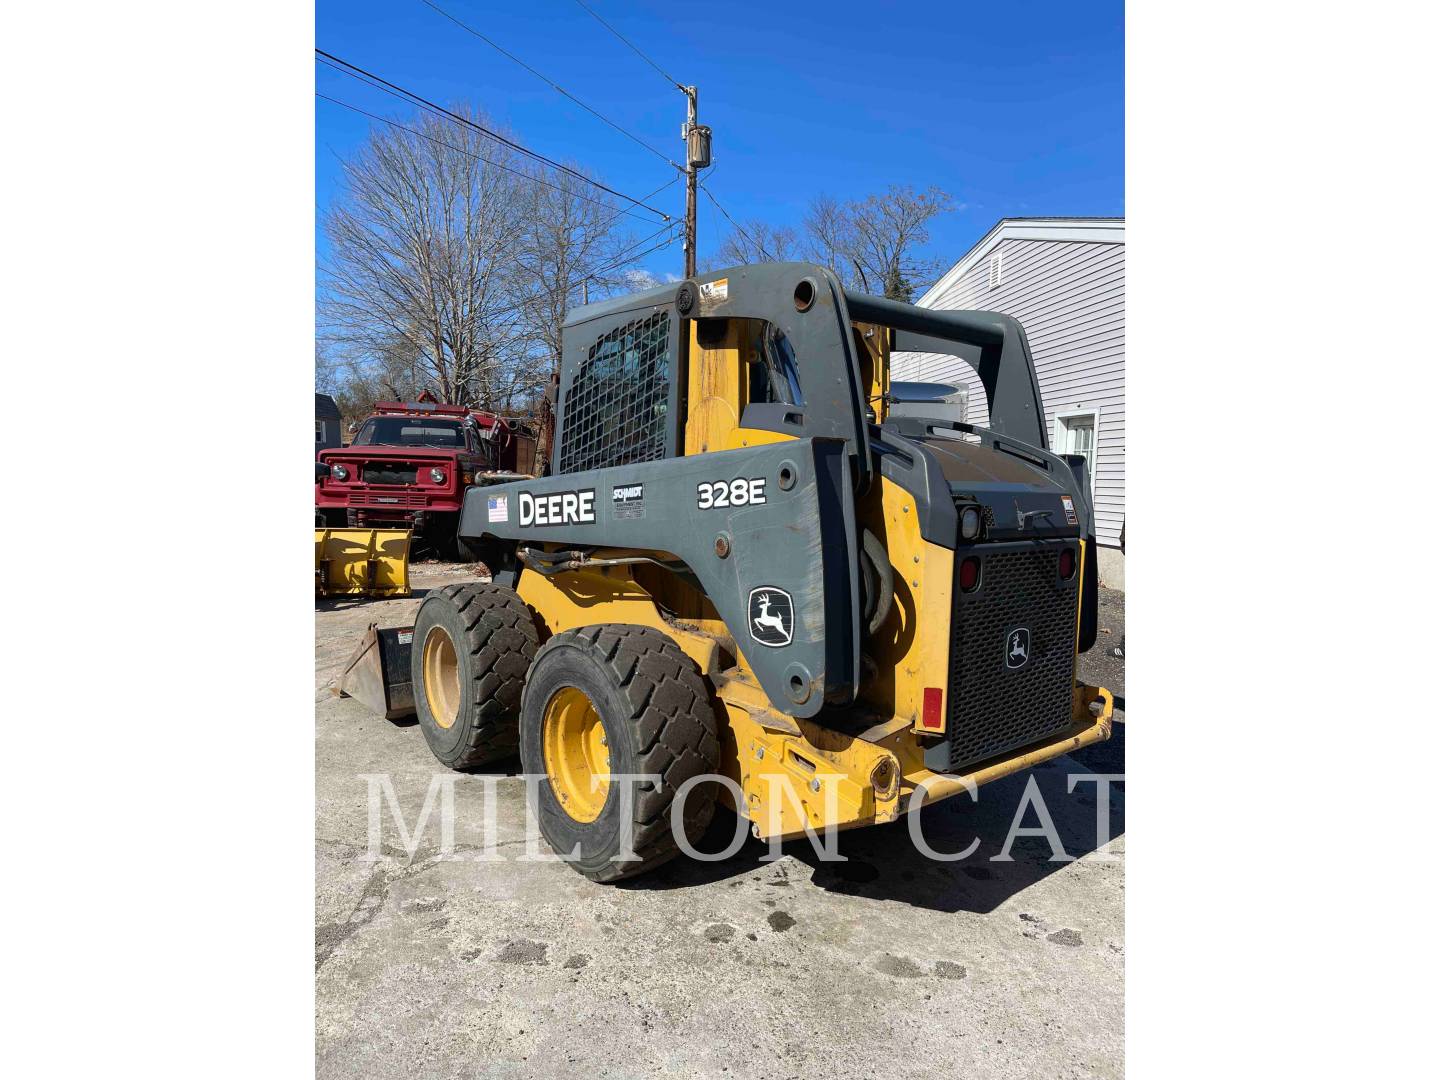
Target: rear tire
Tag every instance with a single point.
(658, 717)
(472, 649)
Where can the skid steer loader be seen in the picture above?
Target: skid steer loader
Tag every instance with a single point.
(740, 567)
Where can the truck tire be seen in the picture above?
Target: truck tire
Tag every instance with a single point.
(472, 648)
(617, 699)
(439, 534)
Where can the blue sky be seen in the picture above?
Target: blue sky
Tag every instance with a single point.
(1015, 108)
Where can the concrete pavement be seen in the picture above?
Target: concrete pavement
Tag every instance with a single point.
(890, 964)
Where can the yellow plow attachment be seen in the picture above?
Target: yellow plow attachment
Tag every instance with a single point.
(362, 562)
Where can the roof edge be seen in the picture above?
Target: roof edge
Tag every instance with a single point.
(1093, 230)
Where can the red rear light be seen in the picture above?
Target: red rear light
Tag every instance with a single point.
(1067, 564)
(931, 718)
(969, 574)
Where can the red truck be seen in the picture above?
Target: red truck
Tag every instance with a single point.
(409, 465)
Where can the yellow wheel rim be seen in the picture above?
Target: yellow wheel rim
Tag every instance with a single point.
(577, 754)
(441, 670)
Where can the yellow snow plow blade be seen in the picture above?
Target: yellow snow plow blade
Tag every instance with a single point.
(362, 562)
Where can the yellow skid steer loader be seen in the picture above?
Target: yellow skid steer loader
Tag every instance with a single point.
(743, 581)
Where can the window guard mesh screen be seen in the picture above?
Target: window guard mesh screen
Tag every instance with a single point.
(615, 407)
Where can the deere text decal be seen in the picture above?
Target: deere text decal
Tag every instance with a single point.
(557, 508)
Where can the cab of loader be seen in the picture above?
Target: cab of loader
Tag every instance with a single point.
(760, 353)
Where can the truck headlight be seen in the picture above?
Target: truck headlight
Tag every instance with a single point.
(339, 472)
(437, 475)
(970, 523)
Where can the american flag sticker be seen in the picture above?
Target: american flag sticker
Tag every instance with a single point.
(499, 508)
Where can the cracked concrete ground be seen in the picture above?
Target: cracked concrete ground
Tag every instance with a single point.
(890, 964)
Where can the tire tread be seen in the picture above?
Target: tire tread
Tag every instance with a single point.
(502, 642)
(673, 719)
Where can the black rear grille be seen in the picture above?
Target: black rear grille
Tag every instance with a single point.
(995, 708)
(389, 474)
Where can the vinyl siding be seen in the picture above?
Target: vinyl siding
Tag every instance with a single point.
(1070, 297)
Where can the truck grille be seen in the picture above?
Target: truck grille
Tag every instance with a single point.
(389, 474)
(994, 708)
(383, 499)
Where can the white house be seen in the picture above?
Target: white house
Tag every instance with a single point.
(1064, 279)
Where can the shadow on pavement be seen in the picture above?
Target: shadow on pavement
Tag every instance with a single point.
(349, 603)
(884, 862)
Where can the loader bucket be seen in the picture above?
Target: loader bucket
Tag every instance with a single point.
(378, 673)
(362, 562)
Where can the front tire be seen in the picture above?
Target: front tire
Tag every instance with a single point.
(472, 649)
(609, 700)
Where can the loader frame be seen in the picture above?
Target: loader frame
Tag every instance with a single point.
(724, 503)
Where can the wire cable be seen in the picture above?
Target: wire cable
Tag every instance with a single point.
(571, 286)
(738, 228)
(636, 49)
(371, 79)
(487, 161)
(550, 82)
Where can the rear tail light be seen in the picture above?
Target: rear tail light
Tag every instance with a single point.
(931, 718)
(1067, 564)
(969, 574)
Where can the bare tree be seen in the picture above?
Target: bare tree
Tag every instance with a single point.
(883, 234)
(570, 246)
(328, 370)
(871, 244)
(830, 236)
(420, 239)
(453, 264)
(755, 241)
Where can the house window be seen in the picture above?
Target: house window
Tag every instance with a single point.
(1075, 434)
(319, 431)
(996, 269)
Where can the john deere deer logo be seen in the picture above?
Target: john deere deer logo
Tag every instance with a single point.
(772, 616)
(1017, 648)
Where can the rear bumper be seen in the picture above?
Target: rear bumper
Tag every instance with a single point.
(1088, 728)
(794, 774)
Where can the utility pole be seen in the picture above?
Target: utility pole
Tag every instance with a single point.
(697, 157)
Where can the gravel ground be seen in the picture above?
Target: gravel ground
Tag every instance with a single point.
(890, 964)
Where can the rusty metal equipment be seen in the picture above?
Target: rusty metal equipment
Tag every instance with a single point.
(378, 673)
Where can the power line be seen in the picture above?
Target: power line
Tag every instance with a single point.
(635, 48)
(549, 82)
(459, 150)
(736, 224)
(371, 79)
(487, 161)
(570, 286)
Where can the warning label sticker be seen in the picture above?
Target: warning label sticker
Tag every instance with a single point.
(714, 292)
(1069, 504)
